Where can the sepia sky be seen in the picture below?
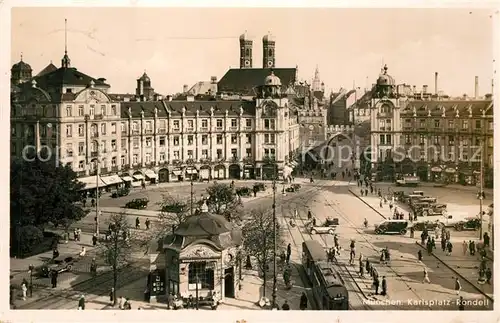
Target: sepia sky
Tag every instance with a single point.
(179, 46)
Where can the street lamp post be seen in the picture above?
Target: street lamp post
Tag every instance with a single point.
(97, 196)
(192, 194)
(274, 241)
(31, 268)
(197, 299)
(481, 191)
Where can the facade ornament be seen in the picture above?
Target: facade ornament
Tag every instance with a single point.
(199, 252)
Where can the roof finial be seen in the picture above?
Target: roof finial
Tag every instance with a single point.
(65, 36)
(21, 56)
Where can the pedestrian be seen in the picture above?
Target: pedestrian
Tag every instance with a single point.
(362, 192)
(94, 239)
(309, 215)
(12, 295)
(81, 303)
(361, 269)
(412, 232)
(75, 234)
(458, 286)
(486, 240)
(449, 247)
(303, 301)
(79, 234)
(368, 267)
(390, 206)
(127, 305)
(54, 278)
(380, 203)
(384, 286)
(148, 223)
(288, 253)
(422, 237)
(336, 241)
(55, 253)
(24, 289)
(376, 284)
(426, 277)
(433, 244)
(464, 247)
(137, 223)
(285, 306)
(420, 256)
(443, 243)
(472, 248)
(488, 276)
(112, 296)
(83, 252)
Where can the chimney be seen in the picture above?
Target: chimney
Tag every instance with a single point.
(476, 87)
(414, 89)
(436, 83)
(213, 79)
(424, 89)
(185, 88)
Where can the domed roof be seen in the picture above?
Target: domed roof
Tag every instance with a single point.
(272, 80)
(268, 38)
(384, 78)
(203, 224)
(144, 77)
(21, 66)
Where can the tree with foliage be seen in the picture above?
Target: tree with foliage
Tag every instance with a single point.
(258, 240)
(222, 199)
(43, 193)
(117, 248)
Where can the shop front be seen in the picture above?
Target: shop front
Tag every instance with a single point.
(205, 172)
(151, 176)
(219, 172)
(450, 175)
(127, 180)
(191, 173)
(138, 179)
(466, 176)
(91, 183)
(112, 182)
(176, 175)
(248, 171)
(423, 171)
(269, 171)
(436, 174)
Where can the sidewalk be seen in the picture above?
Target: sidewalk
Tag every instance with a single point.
(465, 266)
(457, 187)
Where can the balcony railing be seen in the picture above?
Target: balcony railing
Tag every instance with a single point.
(248, 128)
(98, 117)
(233, 128)
(204, 129)
(218, 128)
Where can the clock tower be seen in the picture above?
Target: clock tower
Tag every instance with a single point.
(268, 55)
(245, 51)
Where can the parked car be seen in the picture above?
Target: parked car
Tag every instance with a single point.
(410, 181)
(392, 226)
(137, 204)
(123, 191)
(430, 225)
(468, 224)
(328, 226)
(433, 210)
(60, 264)
(401, 196)
(450, 220)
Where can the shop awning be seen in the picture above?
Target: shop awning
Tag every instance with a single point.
(136, 184)
(91, 182)
(436, 169)
(127, 179)
(112, 180)
(450, 170)
(191, 171)
(177, 172)
(138, 177)
(150, 174)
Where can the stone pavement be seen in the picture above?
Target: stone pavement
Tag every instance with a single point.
(465, 266)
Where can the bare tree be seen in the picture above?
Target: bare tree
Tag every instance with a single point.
(258, 240)
(117, 248)
(223, 200)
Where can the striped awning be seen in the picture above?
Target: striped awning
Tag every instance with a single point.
(150, 174)
(112, 179)
(127, 178)
(138, 177)
(91, 182)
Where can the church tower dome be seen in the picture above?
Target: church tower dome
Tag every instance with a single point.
(268, 51)
(246, 44)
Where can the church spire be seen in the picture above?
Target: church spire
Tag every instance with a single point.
(316, 86)
(65, 62)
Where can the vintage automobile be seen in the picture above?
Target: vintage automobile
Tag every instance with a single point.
(468, 224)
(430, 225)
(409, 181)
(293, 188)
(401, 196)
(137, 204)
(60, 264)
(328, 226)
(123, 191)
(433, 210)
(392, 226)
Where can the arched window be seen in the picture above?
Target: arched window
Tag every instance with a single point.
(93, 130)
(270, 52)
(201, 273)
(247, 52)
(94, 146)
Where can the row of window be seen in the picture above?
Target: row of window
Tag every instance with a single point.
(451, 156)
(386, 139)
(438, 123)
(93, 110)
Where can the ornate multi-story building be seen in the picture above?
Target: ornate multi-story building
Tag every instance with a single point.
(434, 138)
(72, 115)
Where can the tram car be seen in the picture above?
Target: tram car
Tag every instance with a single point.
(328, 288)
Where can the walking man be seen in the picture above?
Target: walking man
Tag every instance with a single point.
(303, 301)
(148, 223)
(384, 286)
(426, 277)
(376, 284)
(81, 303)
(458, 286)
(137, 223)
(288, 253)
(94, 239)
(449, 247)
(464, 247)
(24, 289)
